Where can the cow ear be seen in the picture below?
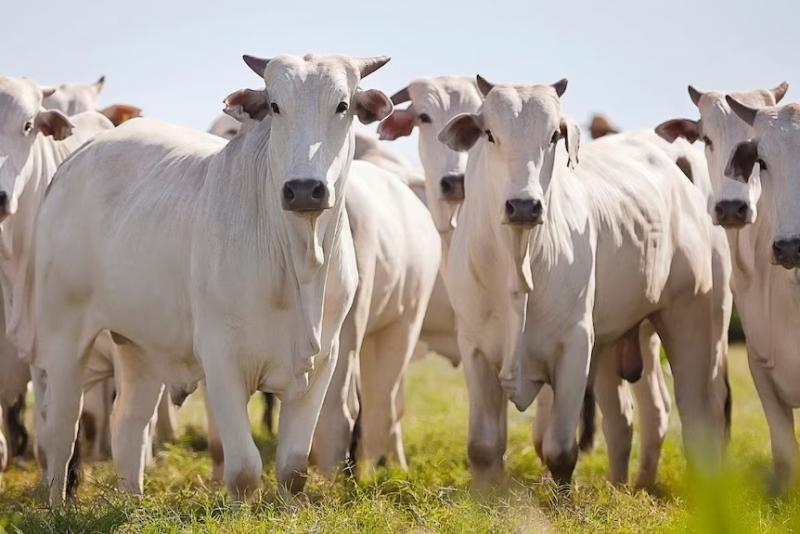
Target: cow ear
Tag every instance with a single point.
(399, 124)
(571, 133)
(119, 113)
(54, 123)
(462, 132)
(675, 128)
(742, 161)
(247, 104)
(372, 105)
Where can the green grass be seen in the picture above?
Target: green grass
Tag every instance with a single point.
(434, 495)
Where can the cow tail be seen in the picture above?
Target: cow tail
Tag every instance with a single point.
(17, 433)
(588, 421)
(355, 437)
(269, 411)
(75, 467)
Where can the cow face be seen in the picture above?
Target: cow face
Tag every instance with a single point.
(311, 102)
(774, 150)
(72, 99)
(521, 128)
(434, 101)
(734, 203)
(22, 120)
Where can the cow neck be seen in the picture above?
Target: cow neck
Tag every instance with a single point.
(16, 234)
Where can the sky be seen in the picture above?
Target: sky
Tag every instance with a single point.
(629, 59)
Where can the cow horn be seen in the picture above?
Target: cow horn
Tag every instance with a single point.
(744, 112)
(257, 64)
(484, 86)
(695, 95)
(368, 65)
(401, 96)
(560, 86)
(779, 92)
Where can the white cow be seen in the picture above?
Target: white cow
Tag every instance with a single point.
(33, 142)
(765, 295)
(72, 99)
(581, 254)
(244, 268)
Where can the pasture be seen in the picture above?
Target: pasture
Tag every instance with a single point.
(434, 495)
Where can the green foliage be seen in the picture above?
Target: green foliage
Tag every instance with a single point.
(434, 495)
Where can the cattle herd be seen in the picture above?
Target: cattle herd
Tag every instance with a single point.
(290, 251)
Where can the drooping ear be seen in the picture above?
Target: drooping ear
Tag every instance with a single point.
(247, 104)
(54, 123)
(372, 105)
(256, 64)
(675, 128)
(571, 133)
(742, 161)
(695, 95)
(780, 91)
(399, 124)
(744, 112)
(462, 132)
(119, 113)
(98, 85)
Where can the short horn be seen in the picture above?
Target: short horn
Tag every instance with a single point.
(560, 86)
(484, 86)
(779, 92)
(746, 113)
(368, 65)
(695, 95)
(256, 64)
(401, 96)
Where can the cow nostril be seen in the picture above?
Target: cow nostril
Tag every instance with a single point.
(777, 249)
(447, 187)
(509, 208)
(318, 193)
(288, 194)
(719, 210)
(741, 211)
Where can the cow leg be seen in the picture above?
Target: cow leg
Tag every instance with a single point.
(614, 399)
(570, 377)
(488, 403)
(544, 407)
(227, 399)
(337, 416)
(138, 393)
(298, 420)
(214, 441)
(780, 419)
(383, 362)
(166, 423)
(685, 330)
(653, 406)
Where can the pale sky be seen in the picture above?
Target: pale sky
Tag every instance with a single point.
(630, 59)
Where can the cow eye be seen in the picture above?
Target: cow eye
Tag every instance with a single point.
(424, 118)
(28, 128)
(275, 109)
(762, 164)
(708, 142)
(556, 137)
(489, 136)
(342, 107)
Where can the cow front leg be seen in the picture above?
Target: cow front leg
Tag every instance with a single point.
(488, 407)
(570, 376)
(298, 420)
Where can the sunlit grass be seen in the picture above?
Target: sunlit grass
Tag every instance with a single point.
(434, 495)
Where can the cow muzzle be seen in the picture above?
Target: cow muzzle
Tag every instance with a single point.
(786, 252)
(305, 195)
(524, 212)
(732, 213)
(452, 187)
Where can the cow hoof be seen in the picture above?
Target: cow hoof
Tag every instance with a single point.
(292, 476)
(562, 465)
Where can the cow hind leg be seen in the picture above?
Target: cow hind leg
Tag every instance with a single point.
(138, 394)
(613, 397)
(544, 406)
(383, 362)
(214, 441)
(653, 407)
(166, 424)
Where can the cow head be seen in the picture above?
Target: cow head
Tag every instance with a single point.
(433, 102)
(773, 150)
(22, 122)
(72, 99)
(520, 130)
(735, 202)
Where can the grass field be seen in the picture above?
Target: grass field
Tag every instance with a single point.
(434, 495)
